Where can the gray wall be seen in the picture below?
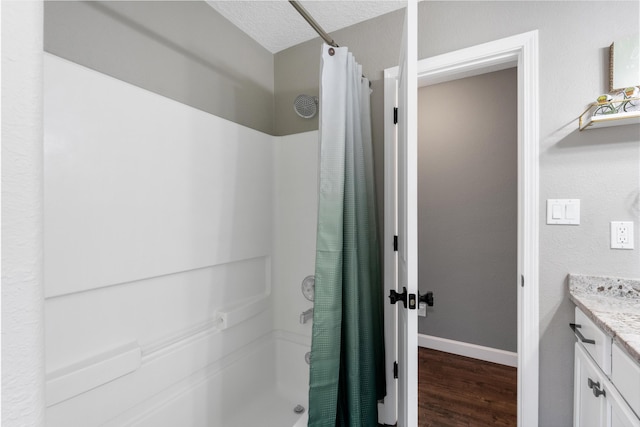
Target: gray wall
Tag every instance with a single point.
(184, 50)
(468, 208)
(601, 167)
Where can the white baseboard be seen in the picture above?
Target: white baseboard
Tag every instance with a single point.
(474, 351)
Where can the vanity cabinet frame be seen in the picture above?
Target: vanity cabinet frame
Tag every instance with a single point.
(597, 401)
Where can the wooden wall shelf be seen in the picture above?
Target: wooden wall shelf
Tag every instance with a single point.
(590, 120)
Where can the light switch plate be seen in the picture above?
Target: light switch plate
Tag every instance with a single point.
(622, 235)
(563, 211)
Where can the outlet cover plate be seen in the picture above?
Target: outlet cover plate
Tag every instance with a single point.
(622, 235)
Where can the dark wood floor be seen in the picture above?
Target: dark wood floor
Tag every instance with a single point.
(460, 391)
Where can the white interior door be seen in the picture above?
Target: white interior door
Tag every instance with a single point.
(520, 50)
(407, 220)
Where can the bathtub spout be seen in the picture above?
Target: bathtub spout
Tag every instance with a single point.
(306, 316)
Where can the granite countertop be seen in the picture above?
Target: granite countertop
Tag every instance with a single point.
(613, 304)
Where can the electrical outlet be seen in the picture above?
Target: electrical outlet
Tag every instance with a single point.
(621, 235)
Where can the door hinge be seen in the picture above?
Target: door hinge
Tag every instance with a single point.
(395, 370)
(395, 243)
(395, 115)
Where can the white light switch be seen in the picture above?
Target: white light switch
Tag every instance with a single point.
(570, 210)
(563, 211)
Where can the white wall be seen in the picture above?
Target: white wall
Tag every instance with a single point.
(22, 308)
(157, 217)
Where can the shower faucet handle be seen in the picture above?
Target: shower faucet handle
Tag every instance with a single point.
(305, 316)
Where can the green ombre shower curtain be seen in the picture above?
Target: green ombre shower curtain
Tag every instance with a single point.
(347, 351)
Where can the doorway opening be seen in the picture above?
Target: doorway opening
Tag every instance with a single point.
(467, 249)
(521, 52)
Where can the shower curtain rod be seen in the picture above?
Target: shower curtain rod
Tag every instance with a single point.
(322, 33)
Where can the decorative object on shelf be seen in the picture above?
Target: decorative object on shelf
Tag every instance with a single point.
(624, 62)
(624, 101)
(613, 109)
(632, 103)
(604, 105)
(621, 106)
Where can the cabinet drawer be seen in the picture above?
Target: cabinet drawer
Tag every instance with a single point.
(601, 350)
(625, 375)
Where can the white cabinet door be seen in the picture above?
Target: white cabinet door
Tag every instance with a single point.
(620, 413)
(625, 375)
(590, 406)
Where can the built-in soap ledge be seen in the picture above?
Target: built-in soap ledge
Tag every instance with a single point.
(93, 372)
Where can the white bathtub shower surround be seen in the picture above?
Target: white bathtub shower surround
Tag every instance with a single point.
(175, 245)
(156, 312)
(258, 385)
(138, 185)
(295, 169)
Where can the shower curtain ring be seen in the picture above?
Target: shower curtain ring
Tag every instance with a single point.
(332, 51)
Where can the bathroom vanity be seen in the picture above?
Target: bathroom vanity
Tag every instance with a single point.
(607, 351)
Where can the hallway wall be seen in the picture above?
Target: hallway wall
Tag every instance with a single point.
(468, 209)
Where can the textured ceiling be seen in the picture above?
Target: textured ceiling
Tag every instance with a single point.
(276, 25)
